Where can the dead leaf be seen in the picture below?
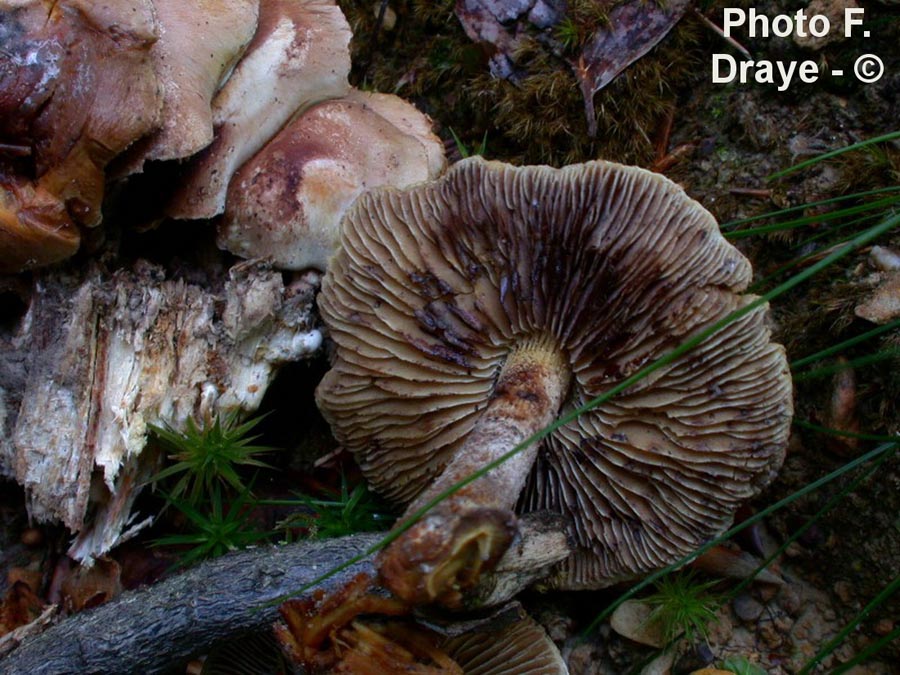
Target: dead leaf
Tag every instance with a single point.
(634, 29)
(20, 607)
(85, 587)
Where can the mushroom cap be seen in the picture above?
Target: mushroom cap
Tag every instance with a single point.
(35, 229)
(434, 285)
(199, 44)
(77, 87)
(299, 56)
(286, 203)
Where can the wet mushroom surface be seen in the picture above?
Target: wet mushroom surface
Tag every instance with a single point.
(472, 312)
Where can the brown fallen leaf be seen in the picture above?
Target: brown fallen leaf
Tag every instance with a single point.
(20, 607)
(634, 28)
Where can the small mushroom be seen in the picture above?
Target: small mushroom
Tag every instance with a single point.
(298, 57)
(471, 312)
(286, 203)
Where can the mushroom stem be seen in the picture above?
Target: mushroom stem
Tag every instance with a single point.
(465, 534)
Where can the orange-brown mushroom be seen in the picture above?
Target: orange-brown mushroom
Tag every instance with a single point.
(286, 203)
(77, 87)
(471, 312)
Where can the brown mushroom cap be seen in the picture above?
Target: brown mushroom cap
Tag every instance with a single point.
(286, 203)
(77, 87)
(35, 229)
(434, 286)
(299, 56)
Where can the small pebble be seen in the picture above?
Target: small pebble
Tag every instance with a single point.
(844, 591)
(885, 259)
(390, 16)
(747, 608)
(883, 627)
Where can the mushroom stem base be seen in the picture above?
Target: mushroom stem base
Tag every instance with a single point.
(444, 553)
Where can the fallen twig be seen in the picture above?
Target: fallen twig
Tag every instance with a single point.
(155, 629)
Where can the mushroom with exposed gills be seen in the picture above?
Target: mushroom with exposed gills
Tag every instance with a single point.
(299, 56)
(286, 203)
(471, 312)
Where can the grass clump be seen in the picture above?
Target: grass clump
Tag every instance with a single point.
(215, 529)
(205, 456)
(337, 513)
(683, 606)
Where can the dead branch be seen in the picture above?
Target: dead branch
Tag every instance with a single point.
(155, 629)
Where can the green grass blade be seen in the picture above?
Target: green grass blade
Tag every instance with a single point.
(870, 207)
(876, 602)
(868, 652)
(846, 344)
(803, 424)
(859, 362)
(812, 520)
(834, 153)
(808, 205)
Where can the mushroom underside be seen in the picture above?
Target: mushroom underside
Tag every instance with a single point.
(437, 288)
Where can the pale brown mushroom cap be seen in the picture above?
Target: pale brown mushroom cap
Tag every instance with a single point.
(199, 44)
(432, 287)
(286, 202)
(299, 56)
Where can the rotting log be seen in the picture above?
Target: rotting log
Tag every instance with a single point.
(101, 355)
(155, 629)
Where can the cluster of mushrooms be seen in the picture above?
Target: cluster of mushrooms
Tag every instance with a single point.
(246, 100)
(468, 308)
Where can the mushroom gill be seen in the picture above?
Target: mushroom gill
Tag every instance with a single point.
(470, 312)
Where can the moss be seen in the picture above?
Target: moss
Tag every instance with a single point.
(427, 58)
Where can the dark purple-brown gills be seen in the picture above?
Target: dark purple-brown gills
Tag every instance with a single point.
(472, 312)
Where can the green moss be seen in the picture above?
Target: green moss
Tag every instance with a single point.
(428, 59)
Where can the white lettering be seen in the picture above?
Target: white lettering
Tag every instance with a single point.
(763, 21)
(850, 21)
(725, 69)
(781, 25)
(809, 72)
(819, 25)
(732, 19)
(718, 59)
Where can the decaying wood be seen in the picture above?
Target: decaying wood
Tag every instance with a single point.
(154, 629)
(100, 356)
